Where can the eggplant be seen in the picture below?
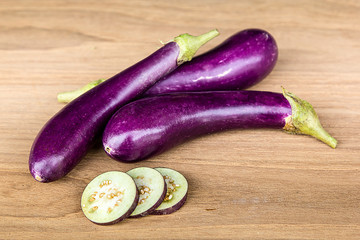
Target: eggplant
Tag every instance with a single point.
(67, 136)
(109, 198)
(176, 194)
(152, 190)
(241, 61)
(152, 125)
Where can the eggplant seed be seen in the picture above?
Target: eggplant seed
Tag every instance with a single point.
(171, 187)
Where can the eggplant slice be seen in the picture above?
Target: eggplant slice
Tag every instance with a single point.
(109, 198)
(177, 188)
(151, 187)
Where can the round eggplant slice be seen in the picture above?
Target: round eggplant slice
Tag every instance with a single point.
(151, 187)
(109, 198)
(177, 188)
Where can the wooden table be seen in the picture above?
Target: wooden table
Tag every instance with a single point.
(244, 184)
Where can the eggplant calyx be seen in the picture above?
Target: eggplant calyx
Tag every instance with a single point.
(189, 44)
(304, 120)
(66, 97)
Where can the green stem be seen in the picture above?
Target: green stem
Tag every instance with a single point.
(190, 44)
(66, 97)
(304, 120)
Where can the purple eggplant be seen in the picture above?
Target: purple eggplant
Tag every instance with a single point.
(67, 136)
(152, 125)
(239, 62)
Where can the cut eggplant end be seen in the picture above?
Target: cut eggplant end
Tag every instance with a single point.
(176, 195)
(151, 187)
(107, 150)
(39, 178)
(109, 198)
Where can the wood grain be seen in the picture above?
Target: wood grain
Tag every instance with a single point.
(244, 184)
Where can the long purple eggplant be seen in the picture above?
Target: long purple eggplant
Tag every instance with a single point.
(152, 125)
(67, 136)
(239, 62)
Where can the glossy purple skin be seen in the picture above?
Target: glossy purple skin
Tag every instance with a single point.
(241, 61)
(152, 125)
(67, 136)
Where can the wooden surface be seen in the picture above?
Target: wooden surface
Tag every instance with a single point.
(244, 184)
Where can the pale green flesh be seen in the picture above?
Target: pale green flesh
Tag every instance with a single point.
(180, 190)
(153, 180)
(96, 205)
